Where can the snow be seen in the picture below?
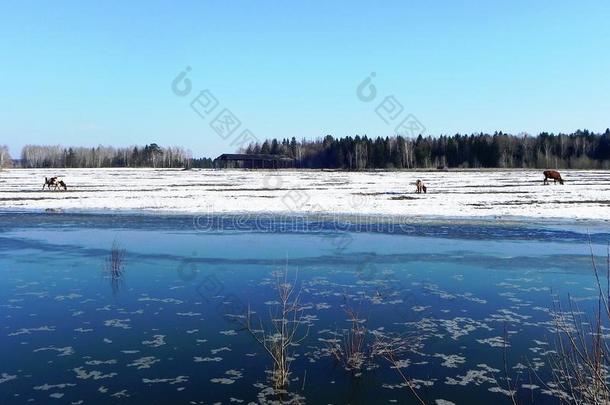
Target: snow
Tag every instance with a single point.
(452, 194)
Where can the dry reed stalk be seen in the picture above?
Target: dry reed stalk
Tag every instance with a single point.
(283, 334)
(580, 363)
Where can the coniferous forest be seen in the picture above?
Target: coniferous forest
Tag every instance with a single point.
(578, 150)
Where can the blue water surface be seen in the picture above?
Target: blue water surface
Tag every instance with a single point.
(458, 300)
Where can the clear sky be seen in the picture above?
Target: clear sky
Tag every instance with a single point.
(88, 73)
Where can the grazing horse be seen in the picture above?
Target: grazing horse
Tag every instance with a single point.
(61, 185)
(420, 187)
(50, 182)
(55, 183)
(552, 174)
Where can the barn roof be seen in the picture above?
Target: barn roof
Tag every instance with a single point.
(245, 156)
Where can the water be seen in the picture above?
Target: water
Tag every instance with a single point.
(170, 331)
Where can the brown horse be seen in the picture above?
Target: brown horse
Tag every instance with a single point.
(420, 187)
(552, 174)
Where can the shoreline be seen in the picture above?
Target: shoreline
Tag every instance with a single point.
(342, 220)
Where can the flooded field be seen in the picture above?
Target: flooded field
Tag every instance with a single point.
(100, 309)
(473, 194)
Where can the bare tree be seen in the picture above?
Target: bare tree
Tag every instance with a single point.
(5, 157)
(104, 156)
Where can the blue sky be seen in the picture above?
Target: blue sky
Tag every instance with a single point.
(88, 73)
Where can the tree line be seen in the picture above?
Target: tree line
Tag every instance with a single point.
(578, 150)
(152, 155)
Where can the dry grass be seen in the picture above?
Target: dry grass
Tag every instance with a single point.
(361, 346)
(392, 350)
(507, 384)
(284, 332)
(352, 351)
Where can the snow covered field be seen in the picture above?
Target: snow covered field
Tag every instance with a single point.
(515, 193)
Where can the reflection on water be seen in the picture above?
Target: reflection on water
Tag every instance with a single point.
(114, 267)
(430, 310)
